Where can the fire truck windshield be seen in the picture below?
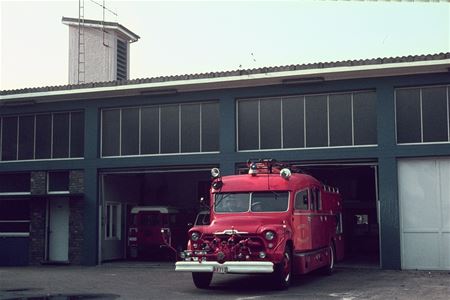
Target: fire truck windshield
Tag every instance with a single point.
(254, 201)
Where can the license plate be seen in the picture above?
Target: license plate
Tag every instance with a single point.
(220, 269)
(132, 239)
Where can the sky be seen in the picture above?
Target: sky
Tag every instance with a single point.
(188, 37)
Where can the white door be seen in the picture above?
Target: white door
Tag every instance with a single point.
(424, 195)
(59, 230)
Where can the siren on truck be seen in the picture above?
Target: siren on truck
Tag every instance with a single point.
(215, 172)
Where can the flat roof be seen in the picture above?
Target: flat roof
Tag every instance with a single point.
(131, 36)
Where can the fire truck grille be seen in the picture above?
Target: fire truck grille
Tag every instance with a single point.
(234, 243)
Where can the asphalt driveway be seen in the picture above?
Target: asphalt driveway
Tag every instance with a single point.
(134, 280)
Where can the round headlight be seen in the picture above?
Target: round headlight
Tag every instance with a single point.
(195, 236)
(269, 235)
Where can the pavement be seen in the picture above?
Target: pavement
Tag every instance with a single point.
(158, 280)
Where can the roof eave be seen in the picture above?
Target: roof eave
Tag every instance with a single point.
(132, 37)
(250, 80)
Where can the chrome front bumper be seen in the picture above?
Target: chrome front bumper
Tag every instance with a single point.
(227, 267)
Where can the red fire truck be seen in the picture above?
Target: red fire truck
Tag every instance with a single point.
(272, 220)
(152, 228)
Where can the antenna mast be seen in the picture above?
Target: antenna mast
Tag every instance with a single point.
(104, 8)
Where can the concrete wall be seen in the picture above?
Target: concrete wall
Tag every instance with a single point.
(100, 58)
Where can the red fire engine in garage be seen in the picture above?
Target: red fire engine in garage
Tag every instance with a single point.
(271, 220)
(153, 228)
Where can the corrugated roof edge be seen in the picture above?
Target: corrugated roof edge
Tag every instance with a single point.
(320, 65)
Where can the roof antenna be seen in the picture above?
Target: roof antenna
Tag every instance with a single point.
(104, 8)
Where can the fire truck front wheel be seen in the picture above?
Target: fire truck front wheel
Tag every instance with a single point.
(283, 271)
(202, 280)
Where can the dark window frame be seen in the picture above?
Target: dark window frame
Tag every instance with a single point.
(50, 182)
(421, 121)
(179, 106)
(20, 182)
(302, 192)
(37, 148)
(303, 98)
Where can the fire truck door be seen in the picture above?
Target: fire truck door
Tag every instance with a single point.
(301, 221)
(318, 220)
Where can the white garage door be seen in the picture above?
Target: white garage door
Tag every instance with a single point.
(424, 192)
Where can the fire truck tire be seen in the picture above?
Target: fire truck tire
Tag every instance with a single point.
(283, 271)
(328, 270)
(202, 280)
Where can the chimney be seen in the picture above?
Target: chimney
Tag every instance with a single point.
(98, 51)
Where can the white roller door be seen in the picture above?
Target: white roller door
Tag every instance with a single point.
(424, 194)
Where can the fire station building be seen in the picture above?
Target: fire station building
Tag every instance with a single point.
(75, 159)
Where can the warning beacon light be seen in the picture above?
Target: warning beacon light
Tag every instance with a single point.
(215, 172)
(285, 173)
(253, 170)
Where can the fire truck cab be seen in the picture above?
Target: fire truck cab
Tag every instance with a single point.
(271, 220)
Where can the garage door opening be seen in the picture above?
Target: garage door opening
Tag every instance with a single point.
(136, 205)
(357, 184)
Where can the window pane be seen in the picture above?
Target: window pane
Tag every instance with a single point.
(434, 114)
(61, 135)
(248, 125)
(270, 115)
(58, 181)
(77, 134)
(301, 200)
(269, 201)
(108, 220)
(318, 199)
(408, 116)
(43, 136)
(170, 129)
(150, 130)
(26, 137)
(190, 128)
(365, 118)
(114, 221)
(111, 132)
(293, 123)
(232, 202)
(130, 131)
(210, 127)
(14, 182)
(316, 121)
(312, 199)
(9, 138)
(17, 209)
(340, 120)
